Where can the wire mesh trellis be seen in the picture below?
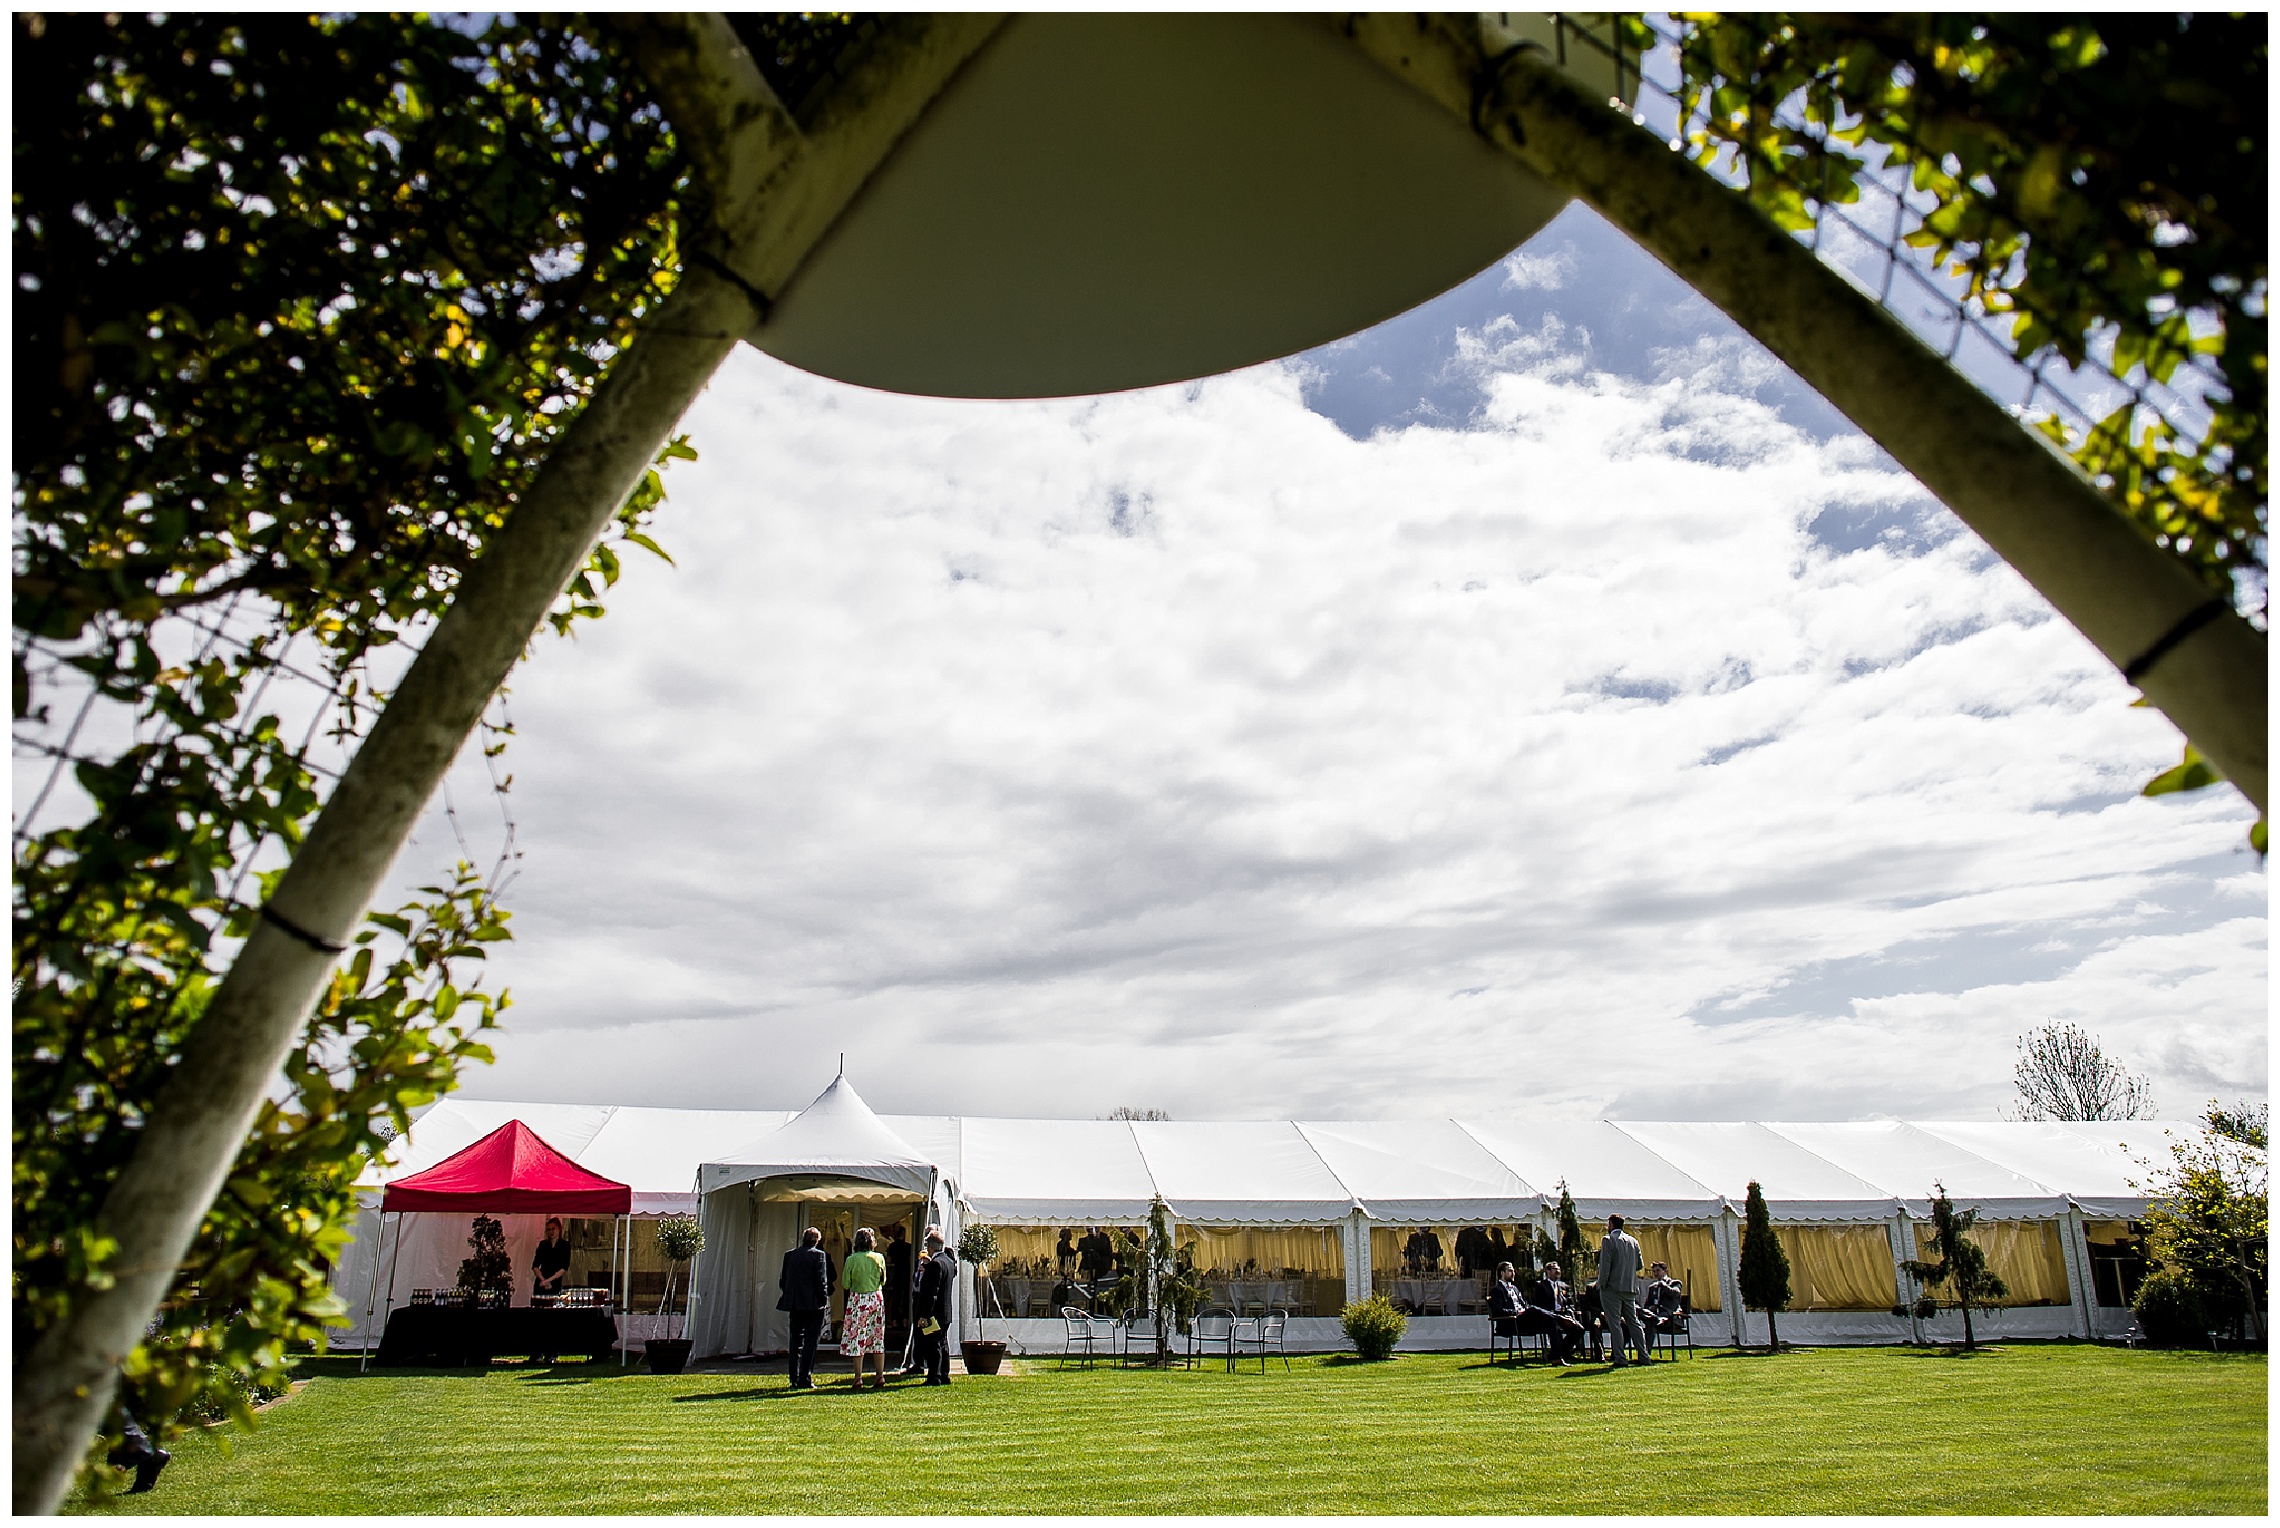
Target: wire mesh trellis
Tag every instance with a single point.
(1867, 242)
(319, 700)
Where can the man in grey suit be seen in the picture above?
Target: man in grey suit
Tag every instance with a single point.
(1621, 1261)
(806, 1298)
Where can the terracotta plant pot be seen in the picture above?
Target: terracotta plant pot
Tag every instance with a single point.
(982, 1357)
(666, 1355)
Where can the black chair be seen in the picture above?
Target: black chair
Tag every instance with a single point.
(1261, 1336)
(1669, 1329)
(1077, 1335)
(1505, 1331)
(1211, 1334)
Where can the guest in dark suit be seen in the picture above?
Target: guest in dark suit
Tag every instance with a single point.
(937, 1278)
(1662, 1308)
(806, 1298)
(1505, 1304)
(1553, 1315)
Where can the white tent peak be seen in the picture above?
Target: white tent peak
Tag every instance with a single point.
(837, 1136)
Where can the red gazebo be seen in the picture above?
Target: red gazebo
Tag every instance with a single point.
(511, 1171)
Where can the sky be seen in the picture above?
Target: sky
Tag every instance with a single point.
(1539, 704)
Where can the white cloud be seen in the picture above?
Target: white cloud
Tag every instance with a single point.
(1537, 270)
(1174, 748)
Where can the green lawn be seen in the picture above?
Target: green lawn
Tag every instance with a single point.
(2021, 1429)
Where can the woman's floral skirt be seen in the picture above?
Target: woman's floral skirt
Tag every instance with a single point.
(865, 1328)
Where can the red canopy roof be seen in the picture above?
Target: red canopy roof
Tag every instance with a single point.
(509, 1171)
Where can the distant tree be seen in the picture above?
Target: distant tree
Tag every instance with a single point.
(2250, 1124)
(1127, 1111)
(1962, 1265)
(2063, 1074)
(1765, 1267)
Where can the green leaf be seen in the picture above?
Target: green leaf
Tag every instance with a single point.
(2191, 774)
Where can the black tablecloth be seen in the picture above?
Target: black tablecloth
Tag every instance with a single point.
(455, 1337)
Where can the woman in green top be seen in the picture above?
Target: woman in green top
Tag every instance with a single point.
(864, 1328)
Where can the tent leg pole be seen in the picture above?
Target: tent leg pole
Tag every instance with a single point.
(625, 1341)
(372, 1292)
(395, 1255)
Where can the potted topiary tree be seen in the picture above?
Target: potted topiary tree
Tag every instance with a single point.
(680, 1238)
(978, 1248)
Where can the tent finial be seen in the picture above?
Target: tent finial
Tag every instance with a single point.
(843, 1063)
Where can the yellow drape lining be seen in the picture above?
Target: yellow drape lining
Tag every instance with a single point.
(1839, 1267)
(1386, 1243)
(2025, 1252)
(1690, 1251)
(1029, 1244)
(1313, 1250)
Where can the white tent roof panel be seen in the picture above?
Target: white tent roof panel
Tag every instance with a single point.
(2100, 1167)
(1421, 1172)
(1606, 1171)
(1905, 1161)
(1054, 1171)
(657, 1150)
(1729, 1156)
(1241, 1173)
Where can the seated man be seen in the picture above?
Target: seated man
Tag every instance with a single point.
(1505, 1303)
(1552, 1314)
(1662, 1304)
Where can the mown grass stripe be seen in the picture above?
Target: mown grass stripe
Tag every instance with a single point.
(2023, 1429)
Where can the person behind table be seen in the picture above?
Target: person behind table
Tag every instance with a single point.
(1094, 1254)
(1662, 1303)
(804, 1295)
(863, 1325)
(550, 1265)
(937, 1277)
(1065, 1253)
(1620, 1263)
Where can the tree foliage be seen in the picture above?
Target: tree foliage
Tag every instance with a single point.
(2098, 180)
(1961, 1268)
(2207, 1243)
(2248, 1123)
(1575, 1252)
(301, 302)
(1764, 1273)
(2062, 1073)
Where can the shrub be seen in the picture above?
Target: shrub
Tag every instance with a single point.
(1374, 1327)
(2171, 1310)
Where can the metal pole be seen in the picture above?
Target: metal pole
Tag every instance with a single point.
(625, 1338)
(372, 1287)
(388, 1301)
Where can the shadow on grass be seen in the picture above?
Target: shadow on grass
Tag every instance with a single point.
(785, 1392)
